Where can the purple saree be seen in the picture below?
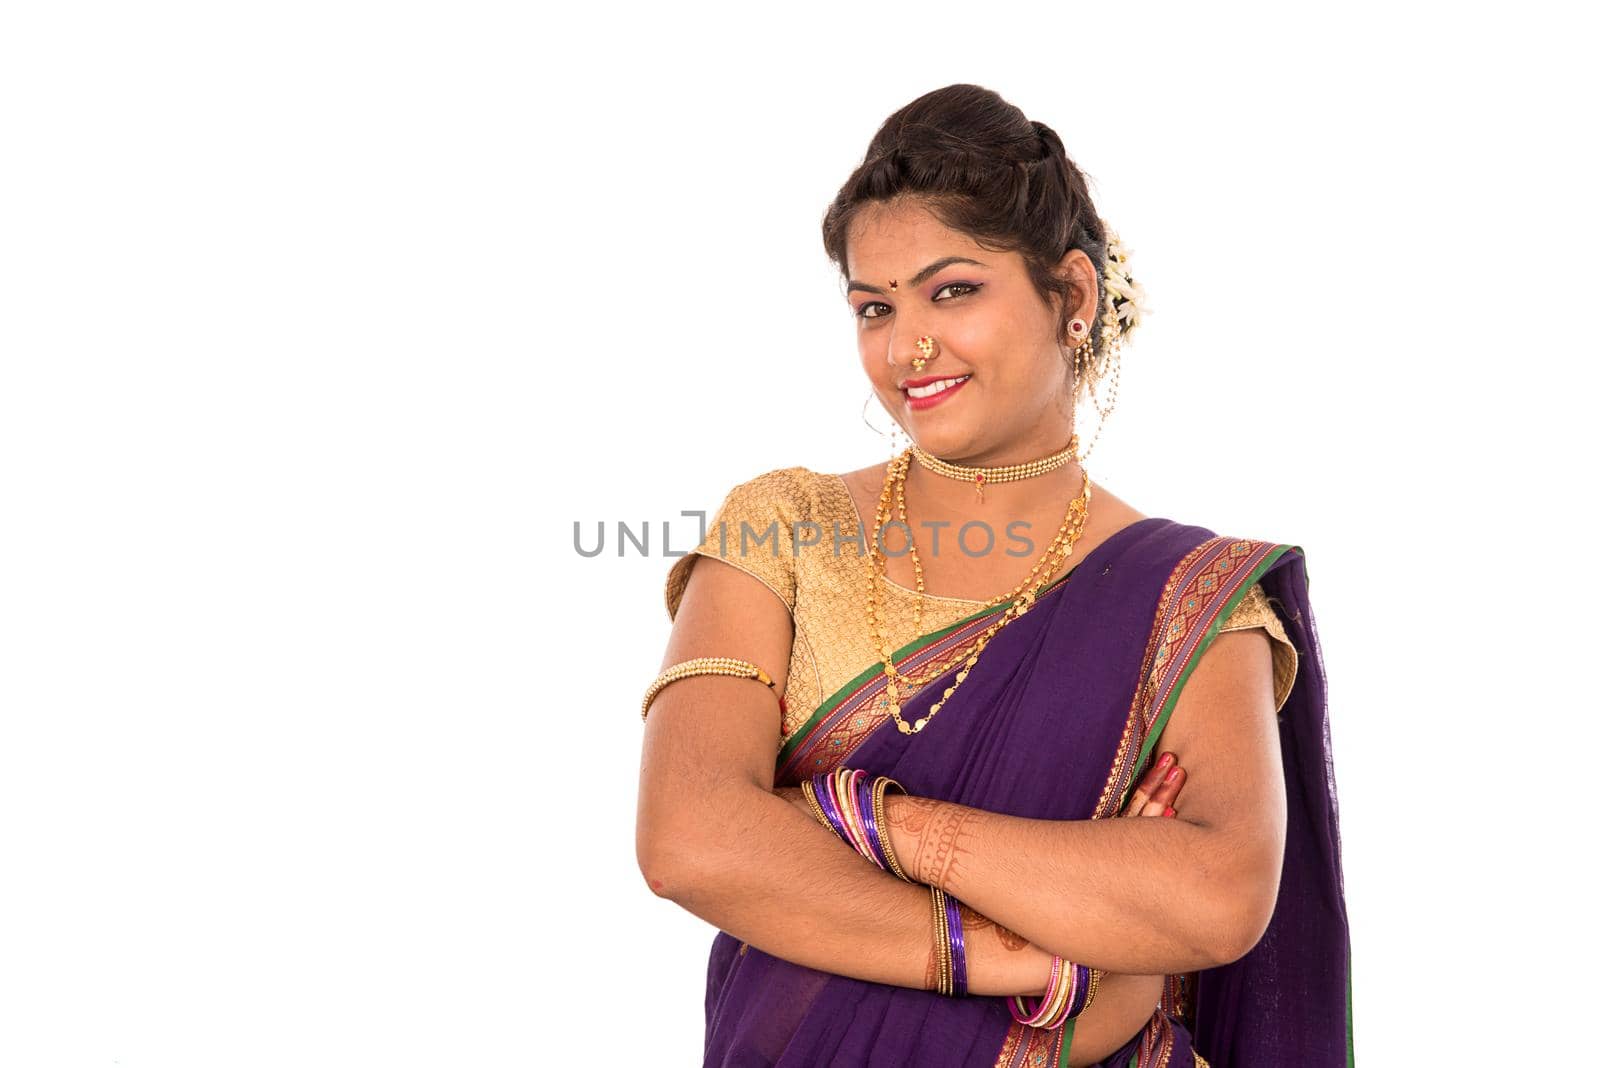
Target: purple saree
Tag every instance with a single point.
(1058, 721)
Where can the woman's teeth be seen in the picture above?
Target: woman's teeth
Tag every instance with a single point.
(935, 387)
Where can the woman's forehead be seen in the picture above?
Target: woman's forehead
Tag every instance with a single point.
(902, 239)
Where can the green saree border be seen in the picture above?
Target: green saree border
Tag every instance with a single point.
(1349, 1015)
(1066, 1040)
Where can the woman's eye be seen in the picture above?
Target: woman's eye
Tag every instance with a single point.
(965, 288)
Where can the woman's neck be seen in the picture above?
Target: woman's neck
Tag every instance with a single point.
(937, 496)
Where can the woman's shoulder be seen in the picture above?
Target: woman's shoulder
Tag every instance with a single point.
(789, 493)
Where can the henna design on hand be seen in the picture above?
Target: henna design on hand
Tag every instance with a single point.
(939, 846)
(902, 812)
(973, 921)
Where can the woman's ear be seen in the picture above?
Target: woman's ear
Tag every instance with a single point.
(1079, 271)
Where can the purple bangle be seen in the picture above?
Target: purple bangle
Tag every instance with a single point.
(832, 807)
(958, 944)
(1080, 992)
(870, 819)
(822, 786)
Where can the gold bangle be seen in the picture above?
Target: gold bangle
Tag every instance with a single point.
(704, 665)
(879, 788)
(941, 935)
(1094, 984)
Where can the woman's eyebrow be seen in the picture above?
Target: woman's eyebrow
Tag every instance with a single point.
(921, 276)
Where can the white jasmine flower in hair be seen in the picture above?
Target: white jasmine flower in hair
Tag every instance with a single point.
(1125, 298)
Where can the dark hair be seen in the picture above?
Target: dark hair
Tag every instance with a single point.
(982, 168)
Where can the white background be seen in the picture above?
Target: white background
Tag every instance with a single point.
(323, 323)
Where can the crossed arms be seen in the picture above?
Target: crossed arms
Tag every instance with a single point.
(1141, 897)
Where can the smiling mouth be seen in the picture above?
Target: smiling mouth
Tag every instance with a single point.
(935, 388)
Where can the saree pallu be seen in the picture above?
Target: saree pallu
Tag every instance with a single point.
(1058, 720)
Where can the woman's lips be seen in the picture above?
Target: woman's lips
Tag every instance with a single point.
(918, 404)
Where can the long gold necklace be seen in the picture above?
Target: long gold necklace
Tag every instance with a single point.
(983, 476)
(1021, 596)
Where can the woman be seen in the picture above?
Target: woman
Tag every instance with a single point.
(930, 873)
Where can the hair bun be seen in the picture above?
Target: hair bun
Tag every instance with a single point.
(1049, 140)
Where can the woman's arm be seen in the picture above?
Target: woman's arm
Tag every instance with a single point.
(1138, 896)
(772, 876)
(714, 837)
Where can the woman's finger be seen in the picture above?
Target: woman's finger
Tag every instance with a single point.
(1139, 802)
(1165, 792)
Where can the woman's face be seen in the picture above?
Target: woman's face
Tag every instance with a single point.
(991, 327)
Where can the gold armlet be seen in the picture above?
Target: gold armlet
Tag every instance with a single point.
(704, 665)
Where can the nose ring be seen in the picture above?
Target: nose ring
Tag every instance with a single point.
(925, 346)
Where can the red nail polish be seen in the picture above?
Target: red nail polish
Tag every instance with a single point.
(1171, 776)
(1166, 758)
(1170, 811)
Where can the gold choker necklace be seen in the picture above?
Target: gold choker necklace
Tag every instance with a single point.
(985, 475)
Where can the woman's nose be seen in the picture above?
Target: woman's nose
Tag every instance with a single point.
(903, 348)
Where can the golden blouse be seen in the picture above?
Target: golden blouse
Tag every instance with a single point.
(825, 584)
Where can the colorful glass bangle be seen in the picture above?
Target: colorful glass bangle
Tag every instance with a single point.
(852, 806)
(860, 789)
(810, 793)
(1071, 990)
(844, 784)
(958, 946)
(833, 801)
(880, 786)
(867, 802)
(824, 796)
(831, 804)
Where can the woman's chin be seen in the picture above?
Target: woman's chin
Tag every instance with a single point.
(944, 437)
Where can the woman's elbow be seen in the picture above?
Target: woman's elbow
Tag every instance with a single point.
(671, 854)
(1246, 906)
(681, 850)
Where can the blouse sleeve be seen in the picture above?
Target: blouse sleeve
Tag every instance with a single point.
(1254, 610)
(754, 531)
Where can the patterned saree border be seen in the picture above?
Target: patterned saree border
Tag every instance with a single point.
(1207, 583)
(1203, 588)
(842, 722)
(1035, 1047)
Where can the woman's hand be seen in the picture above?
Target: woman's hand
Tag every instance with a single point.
(1156, 791)
(1123, 1003)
